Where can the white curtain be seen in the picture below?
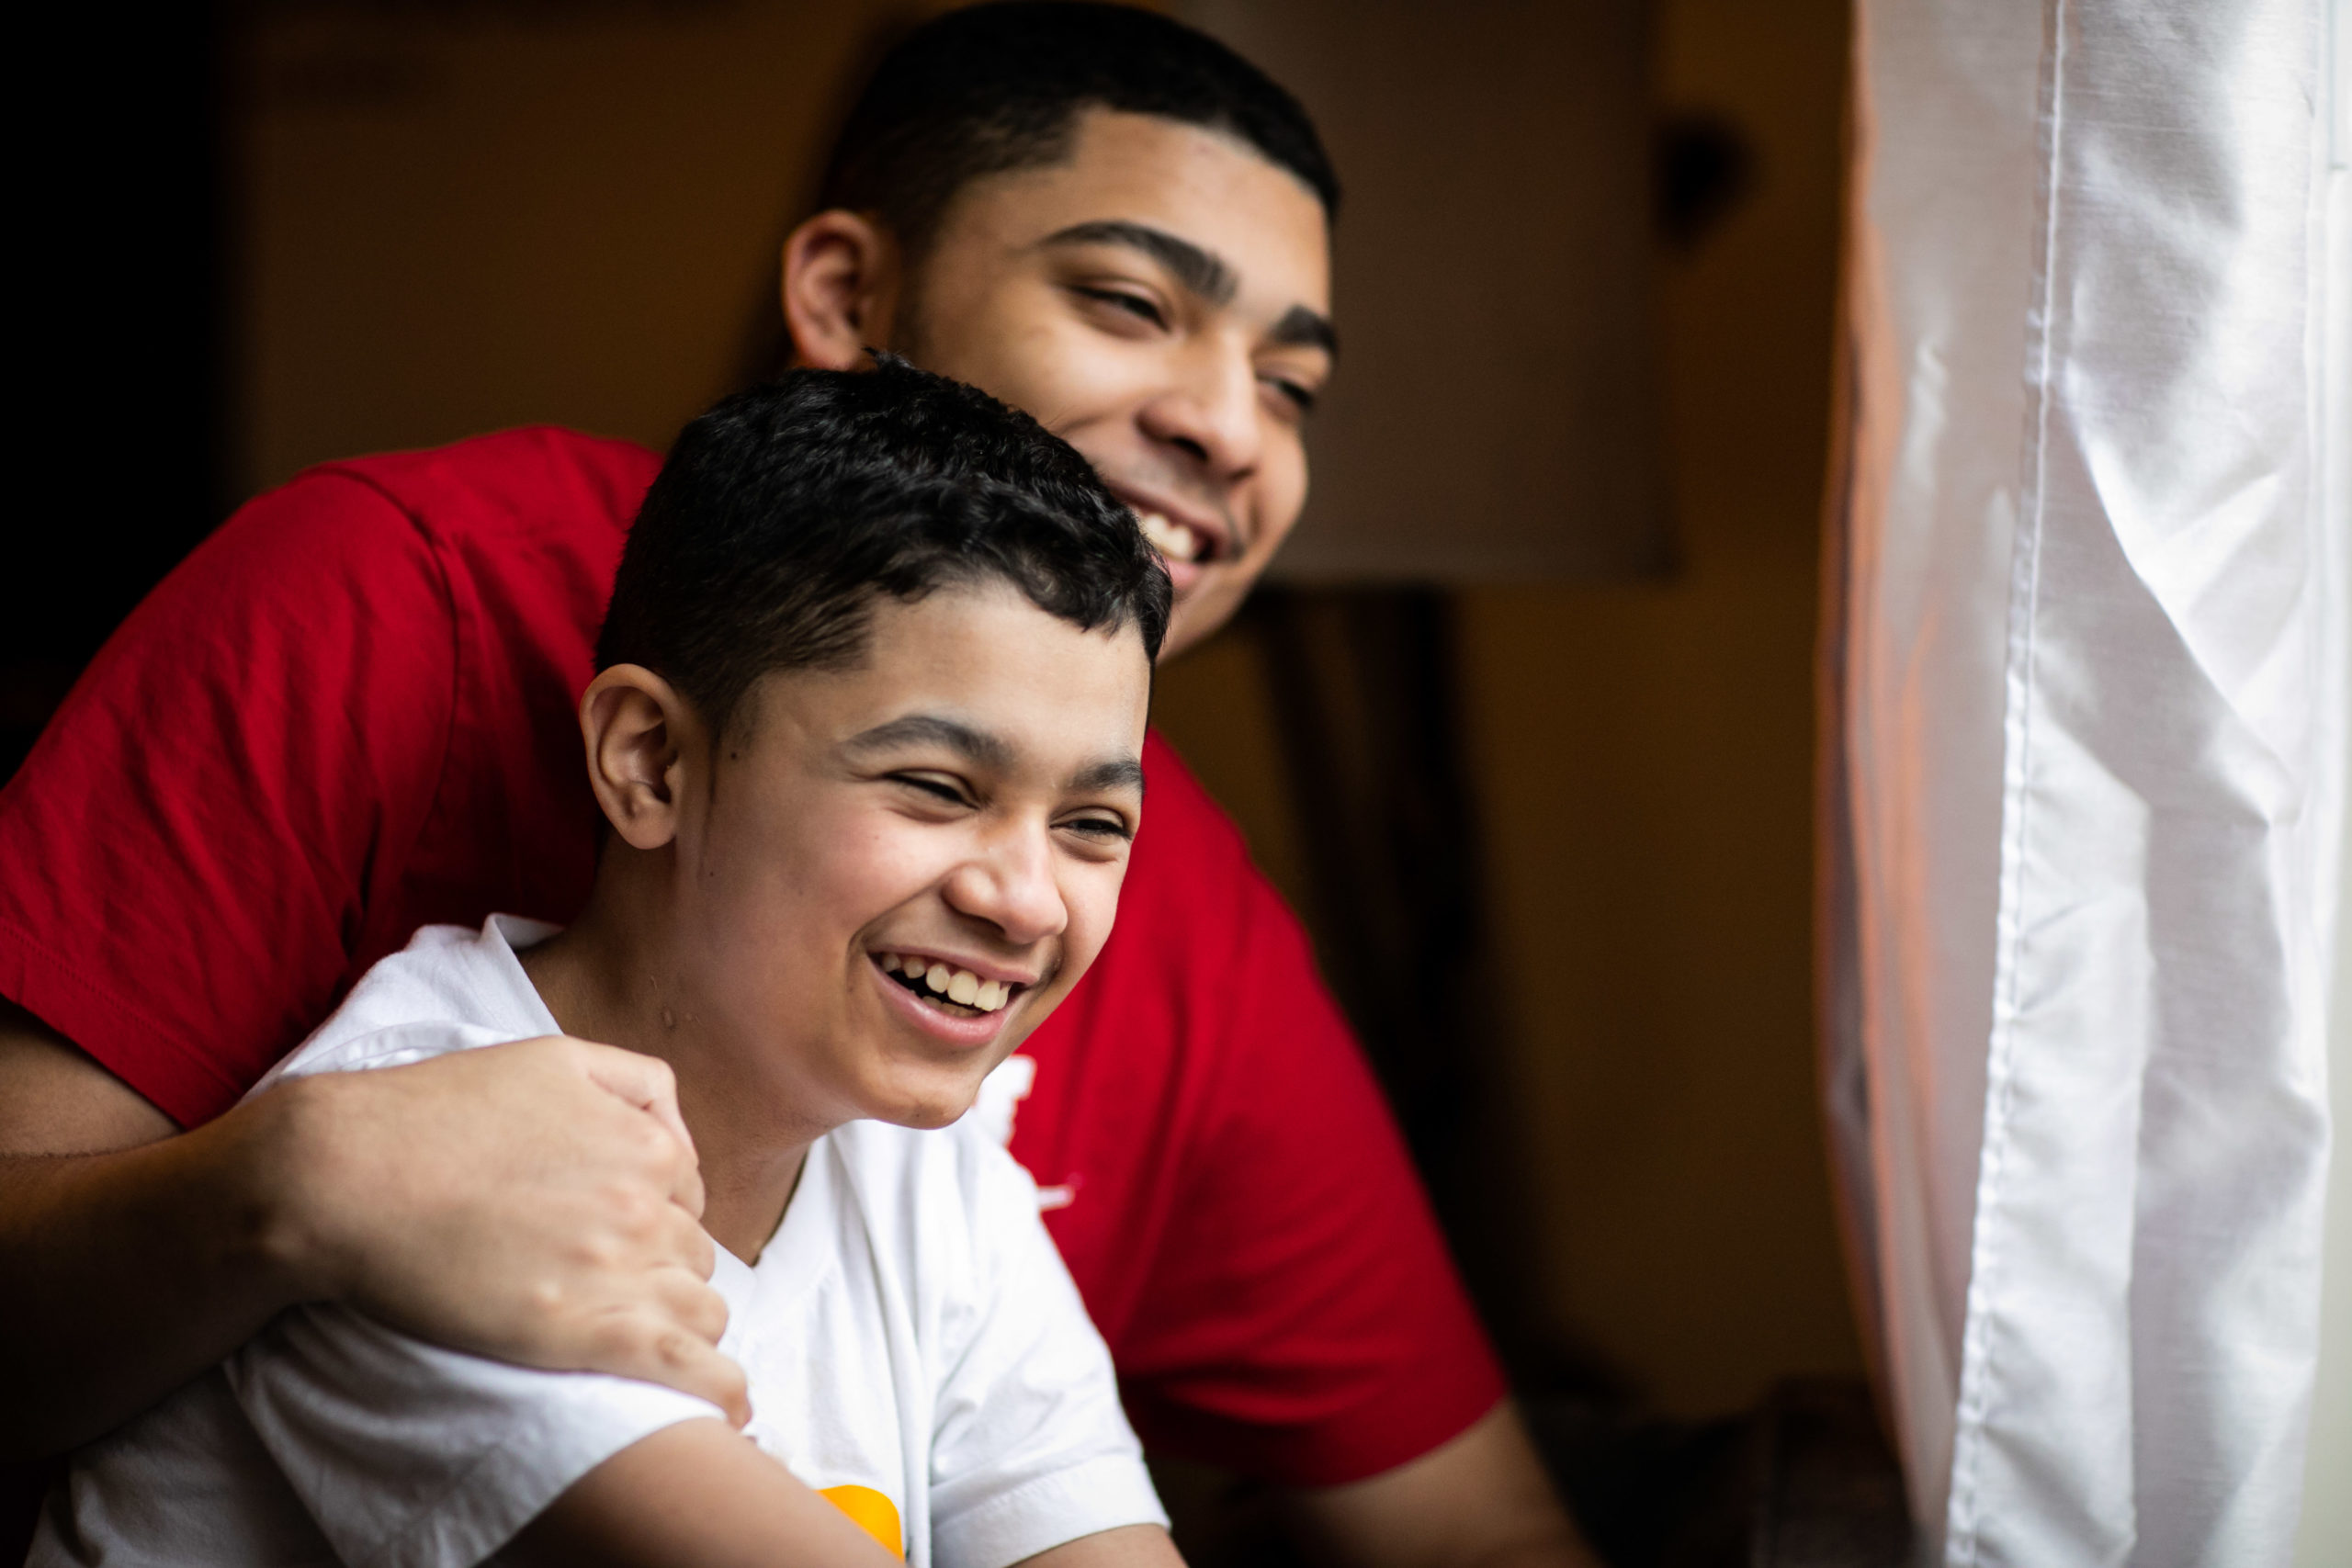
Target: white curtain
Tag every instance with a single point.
(2083, 685)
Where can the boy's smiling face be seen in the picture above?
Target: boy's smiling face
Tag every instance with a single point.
(963, 800)
(1160, 297)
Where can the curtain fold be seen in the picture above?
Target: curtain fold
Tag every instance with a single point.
(2083, 706)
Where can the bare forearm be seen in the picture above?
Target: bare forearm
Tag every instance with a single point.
(1481, 1501)
(698, 1495)
(535, 1202)
(1555, 1545)
(693, 1495)
(128, 1273)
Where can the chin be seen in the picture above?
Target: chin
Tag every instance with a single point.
(923, 1108)
(930, 1118)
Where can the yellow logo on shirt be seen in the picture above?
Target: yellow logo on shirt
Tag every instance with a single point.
(871, 1512)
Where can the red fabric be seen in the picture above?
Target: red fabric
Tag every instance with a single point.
(349, 713)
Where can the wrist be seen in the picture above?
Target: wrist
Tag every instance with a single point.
(275, 1160)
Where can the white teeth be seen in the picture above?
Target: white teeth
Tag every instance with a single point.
(1170, 539)
(958, 986)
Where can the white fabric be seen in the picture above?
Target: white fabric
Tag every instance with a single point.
(909, 1328)
(2086, 721)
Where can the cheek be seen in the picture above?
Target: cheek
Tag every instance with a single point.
(1090, 897)
(1082, 385)
(801, 892)
(1281, 489)
(1036, 356)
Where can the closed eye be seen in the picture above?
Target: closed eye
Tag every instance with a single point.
(1135, 305)
(938, 788)
(1302, 398)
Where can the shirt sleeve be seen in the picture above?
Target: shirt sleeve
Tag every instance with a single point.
(187, 848)
(1030, 1448)
(405, 1454)
(1299, 1317)
(410, 1456)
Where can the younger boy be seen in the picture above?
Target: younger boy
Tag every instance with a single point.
(866, 729)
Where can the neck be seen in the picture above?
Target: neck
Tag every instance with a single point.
(605, 982)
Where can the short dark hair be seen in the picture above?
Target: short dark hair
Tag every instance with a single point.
(996, 87)
(785, 513)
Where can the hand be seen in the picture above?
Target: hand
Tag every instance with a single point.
(535, 1202)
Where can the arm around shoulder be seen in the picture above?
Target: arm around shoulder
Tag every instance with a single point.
(135, 1255)
(533, 1202)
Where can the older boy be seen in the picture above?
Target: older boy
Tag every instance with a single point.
(867, 735)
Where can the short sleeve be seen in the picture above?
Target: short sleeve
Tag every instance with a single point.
(1030, 1448)
(410, 1456)
(1309, 1315)
(1268, 1271)
(189, 845)
(407, 1455)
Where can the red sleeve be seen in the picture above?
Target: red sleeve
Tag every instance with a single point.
(1271, 1279)
(187, 848)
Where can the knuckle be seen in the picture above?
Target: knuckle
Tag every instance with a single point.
(650, 1142)
(627, 1340)
(695, 1305)
(634, 1212)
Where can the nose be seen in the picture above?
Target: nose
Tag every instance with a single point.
(1010, 885)
(1210, 411)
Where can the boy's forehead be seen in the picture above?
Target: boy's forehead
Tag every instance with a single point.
(1209, 187)
(1022, 685)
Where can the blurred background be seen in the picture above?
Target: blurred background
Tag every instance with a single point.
(1542, 651)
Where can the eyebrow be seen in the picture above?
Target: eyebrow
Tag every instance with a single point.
(1116, 772)
(1306, 328)
(931, 728)
(989, 749)
(1201, 271)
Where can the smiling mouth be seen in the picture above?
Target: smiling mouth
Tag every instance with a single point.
(1177, 541)
(958, 993)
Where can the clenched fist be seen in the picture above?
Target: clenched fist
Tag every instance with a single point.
(537, 1202)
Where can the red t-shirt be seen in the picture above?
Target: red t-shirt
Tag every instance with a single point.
(350, 713)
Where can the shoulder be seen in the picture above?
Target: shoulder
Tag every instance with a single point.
(1195, 915)
(1175, 799)
(445, 991)
(1189, 849)
(379, 535)
(957, 1168)
(521, 478)
(949, 1198)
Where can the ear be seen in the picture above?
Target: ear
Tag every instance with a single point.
(841, 290)
(638, 732)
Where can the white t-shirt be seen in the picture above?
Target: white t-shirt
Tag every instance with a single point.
(908, 1330)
